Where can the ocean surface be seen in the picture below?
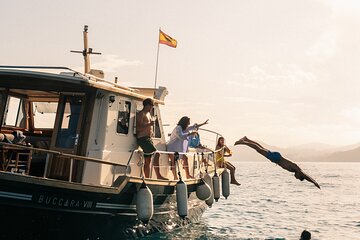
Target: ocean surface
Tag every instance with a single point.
(272, 204)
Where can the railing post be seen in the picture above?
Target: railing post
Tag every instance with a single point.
(141, 165)
(128, 163)
(194, 161)
(113, 178)
(151, 164)
(71, 169)
(46, 164)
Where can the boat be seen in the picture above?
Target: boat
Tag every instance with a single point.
(70, 167)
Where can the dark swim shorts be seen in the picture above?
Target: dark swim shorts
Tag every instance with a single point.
(275, 157)
(147, 145)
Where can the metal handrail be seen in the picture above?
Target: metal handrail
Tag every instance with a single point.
(77, 157)
(182, 153)
(210, 131)
(72, 157)
(172, 153)
(209, 153)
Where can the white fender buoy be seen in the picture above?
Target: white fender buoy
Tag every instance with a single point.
(208, 180)
(182, 199)
(144, 204)
(216, 186)
(225, 183)
(203, 190)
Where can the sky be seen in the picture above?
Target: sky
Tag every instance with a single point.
(285, 72)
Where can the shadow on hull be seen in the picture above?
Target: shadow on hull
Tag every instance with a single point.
(30, 223)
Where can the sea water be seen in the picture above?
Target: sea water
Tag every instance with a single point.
(272, 204)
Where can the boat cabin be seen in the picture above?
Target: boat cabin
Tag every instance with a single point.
(69, 125)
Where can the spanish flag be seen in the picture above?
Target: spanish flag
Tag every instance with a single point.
(167, 40)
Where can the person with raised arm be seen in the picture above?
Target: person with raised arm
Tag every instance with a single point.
(177, 143)
(276, 158)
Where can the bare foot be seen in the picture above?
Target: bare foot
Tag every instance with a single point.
(190, 177)
(161, 178)
(235, 183)
(240, 141)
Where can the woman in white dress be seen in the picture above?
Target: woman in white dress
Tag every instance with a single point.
(177, 143)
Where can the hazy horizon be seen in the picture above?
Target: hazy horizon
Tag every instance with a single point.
(283, 71)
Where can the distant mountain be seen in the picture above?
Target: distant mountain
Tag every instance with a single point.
(314, 152)
(345, 156)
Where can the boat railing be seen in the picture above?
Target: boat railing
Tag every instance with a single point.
(207, 154)
(19, 150)
(5, 162)
(203, 152)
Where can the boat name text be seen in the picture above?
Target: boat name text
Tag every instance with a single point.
(64, 202)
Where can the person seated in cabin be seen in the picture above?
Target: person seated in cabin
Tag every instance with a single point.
(222, 152)
(276, 158)
(178, 142)
(144, 132)
(16, 137)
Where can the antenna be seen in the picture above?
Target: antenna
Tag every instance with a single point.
(87, 51)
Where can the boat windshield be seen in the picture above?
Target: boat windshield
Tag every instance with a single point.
(15, 115)
(44, 114)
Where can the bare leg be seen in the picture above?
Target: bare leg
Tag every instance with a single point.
(173, 167)
(186, 167)
(251, 141)
(254, 145)
(232, 173)
(204, 161)
(220, 164)
(156, 167)
(147, 166)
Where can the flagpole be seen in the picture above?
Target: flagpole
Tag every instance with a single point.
(157, 63)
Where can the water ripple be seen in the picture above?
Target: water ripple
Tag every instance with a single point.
(274, 205)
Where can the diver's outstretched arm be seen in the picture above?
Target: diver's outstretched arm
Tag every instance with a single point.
(299, 174)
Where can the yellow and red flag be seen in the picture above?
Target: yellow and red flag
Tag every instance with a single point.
(167, 40)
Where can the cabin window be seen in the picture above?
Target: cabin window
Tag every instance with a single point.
(138, 108)
(157, 131)
(69, 115)
(123, 120)
(44, 114)
(15, 113)
(2, 105)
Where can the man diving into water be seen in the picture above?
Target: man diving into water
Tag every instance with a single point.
(276, 157)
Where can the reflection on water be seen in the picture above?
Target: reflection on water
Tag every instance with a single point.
(271, 204)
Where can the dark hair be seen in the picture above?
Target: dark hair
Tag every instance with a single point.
(305, 235)
(184, 122)
(218, 142)
(148, 101)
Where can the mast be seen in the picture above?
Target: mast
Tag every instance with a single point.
(87, 51)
